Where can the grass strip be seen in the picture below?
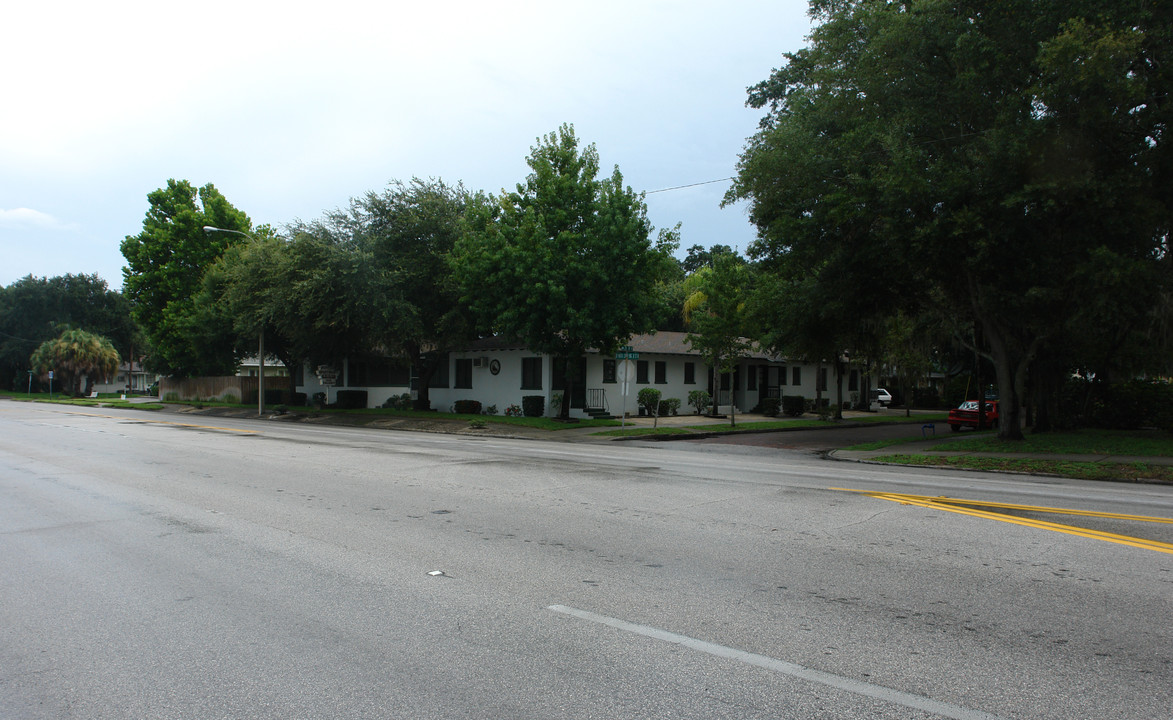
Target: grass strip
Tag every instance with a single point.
(1117, 472)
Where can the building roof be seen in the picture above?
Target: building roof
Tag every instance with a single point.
(664, 342)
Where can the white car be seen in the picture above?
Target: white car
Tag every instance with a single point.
(882, 396)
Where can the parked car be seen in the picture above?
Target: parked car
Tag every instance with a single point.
(881, 396)
(966, 415)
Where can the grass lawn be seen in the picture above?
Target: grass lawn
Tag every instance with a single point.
(765, 425)
(1094, 442)
(1116, 472)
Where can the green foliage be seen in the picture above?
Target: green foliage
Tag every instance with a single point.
(398, 402)
(700, 400)
(716, 312)
(165, 266)
(565, 263)
(532, 405)
(649, 400)
(1001, 161)
(73, 355)
(793, 405)
(34, 310)
(770, 407)
(671, 406)
(514, 410)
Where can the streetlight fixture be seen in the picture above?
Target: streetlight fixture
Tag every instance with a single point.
(261, 343)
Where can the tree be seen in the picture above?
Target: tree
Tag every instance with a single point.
(409, 230)
(73, 355)
(563, 263)
(999, 154)
(717, 317)
(33, 310)
(165, 267)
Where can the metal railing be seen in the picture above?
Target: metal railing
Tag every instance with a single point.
(596, 399)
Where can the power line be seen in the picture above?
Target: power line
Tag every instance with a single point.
(681, 187)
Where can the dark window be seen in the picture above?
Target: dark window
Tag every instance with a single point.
(765, 370)
(531, 373)
(661, 372)
(853, 381)
(463, 373)
(796, 376)
(439, 378)
(641, 372)
(689, 373)
(782, 375)
(608, 371)
(751, 379)
(725, 381)
(823, 379)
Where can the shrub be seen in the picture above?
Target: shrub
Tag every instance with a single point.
(398, 402)
(298, 399)
(467, 407)
(491, 410)
(793, 405)
(555, 403)
(669, 407)
(770, 407)
(513, 411)
(319, 399)
(171, 397)
(699, 399)
(533, 405)
(351, 399)
(477, 423)
(649, 400)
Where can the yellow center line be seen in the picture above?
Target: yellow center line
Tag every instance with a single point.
(954, 506)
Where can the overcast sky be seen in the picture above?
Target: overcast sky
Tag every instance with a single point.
(290, 109)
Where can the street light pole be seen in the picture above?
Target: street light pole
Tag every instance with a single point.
(261, 342)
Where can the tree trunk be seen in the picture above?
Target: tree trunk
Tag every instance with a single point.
(838, 388)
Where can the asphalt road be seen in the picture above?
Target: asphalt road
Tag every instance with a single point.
(165, 567)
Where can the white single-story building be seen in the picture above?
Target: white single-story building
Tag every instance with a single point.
(498, 373)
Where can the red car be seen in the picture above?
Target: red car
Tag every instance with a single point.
(966, 415)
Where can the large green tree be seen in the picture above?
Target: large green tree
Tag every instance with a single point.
(409, 230)
(718, 317)
(33, 310)
(165, 264)
(564, 263)
(1006, 155)
(74, 355)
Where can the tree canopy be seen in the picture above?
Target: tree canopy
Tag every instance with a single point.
(33, 310)
(562, 264)
(165, 266)
(1010, 157)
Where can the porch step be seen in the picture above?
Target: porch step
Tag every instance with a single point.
(598, 414)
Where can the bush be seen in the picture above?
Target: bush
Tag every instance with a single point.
(699, 399)
(398, 402)
(298, 399)
(513, 411)
(491, 410)
(351, 399)
(770, 407)
(467, 407)
(793, 405)
(671, 406)
(649, 400)
(533, 405)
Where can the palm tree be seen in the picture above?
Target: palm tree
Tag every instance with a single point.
(73, 355)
